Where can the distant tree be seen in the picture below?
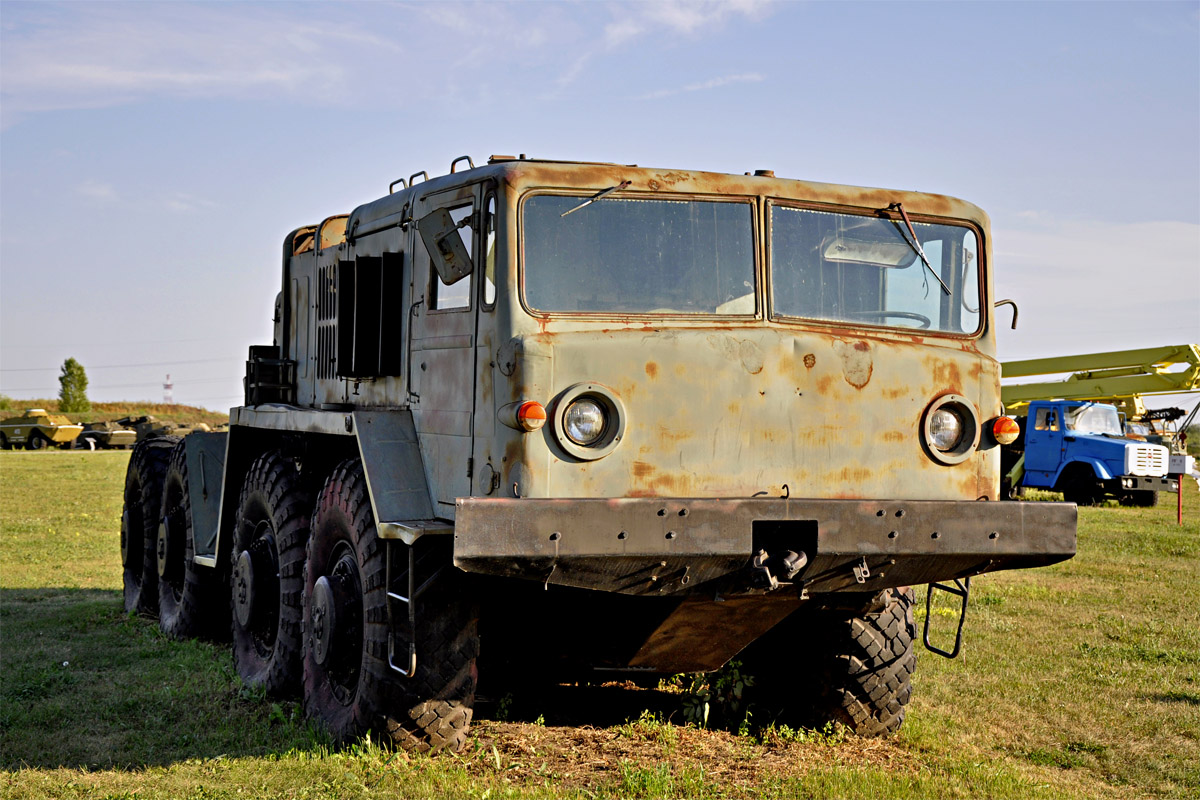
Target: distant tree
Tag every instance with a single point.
(72, 391)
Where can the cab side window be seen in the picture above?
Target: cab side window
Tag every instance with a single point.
(1046, 420)
(458, 296)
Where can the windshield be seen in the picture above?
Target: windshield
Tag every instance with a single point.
(639, 256)
(1093, 419)
(866, 270)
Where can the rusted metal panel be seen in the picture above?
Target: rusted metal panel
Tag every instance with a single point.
(391, 456)
(680, 546)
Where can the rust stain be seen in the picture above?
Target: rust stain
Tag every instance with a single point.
(651, 370)
(857, 365)
(810, 360)
(642, 470)
(824, 384)
(894, 436)
(947, 375)
(895, 394)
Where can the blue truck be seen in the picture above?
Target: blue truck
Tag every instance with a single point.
(1080, 448)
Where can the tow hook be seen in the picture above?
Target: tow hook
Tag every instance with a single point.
(766, 567)
(961, 589)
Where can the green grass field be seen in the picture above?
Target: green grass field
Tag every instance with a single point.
(1078, 680)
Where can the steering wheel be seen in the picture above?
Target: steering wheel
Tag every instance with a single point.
(882, 315)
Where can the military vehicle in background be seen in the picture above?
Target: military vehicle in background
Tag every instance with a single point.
(146, 426)
(562, 420)
(37, 429)
(105, 436)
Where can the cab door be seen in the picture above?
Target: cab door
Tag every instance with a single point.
(442, 352)
(1044, 440)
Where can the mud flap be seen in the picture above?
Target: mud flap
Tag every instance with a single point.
(962, 589)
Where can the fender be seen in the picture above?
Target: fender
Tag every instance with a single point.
(1098, 467)
(386, 441)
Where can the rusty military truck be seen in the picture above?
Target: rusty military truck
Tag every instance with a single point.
(559, 421)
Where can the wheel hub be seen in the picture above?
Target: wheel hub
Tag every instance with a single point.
(165, 556)
(324, 619)
(243, 589)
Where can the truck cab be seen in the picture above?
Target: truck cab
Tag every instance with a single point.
(1080, 448)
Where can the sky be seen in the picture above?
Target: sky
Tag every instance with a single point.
(153, 155)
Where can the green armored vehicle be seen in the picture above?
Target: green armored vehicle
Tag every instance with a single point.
(148, 425)
(106, 435)
(562, 421)
(36, 429)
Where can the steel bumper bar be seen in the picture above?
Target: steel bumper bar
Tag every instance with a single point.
(662, 546)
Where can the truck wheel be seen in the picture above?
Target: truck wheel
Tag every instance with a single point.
(1140, 499)
(1079, 486)
(348, 685)
(858, 666)
(267, 574)
(36, 441)
(4, 445)
(432, 711)
(189, 598)
(139, 522)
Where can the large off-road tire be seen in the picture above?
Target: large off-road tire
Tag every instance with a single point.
(139, 522)
(267, 574)
(36, 441)
(848, 667)
(348, 686)
(191, 599)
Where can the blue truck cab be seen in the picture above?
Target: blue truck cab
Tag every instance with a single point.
(1080, 449)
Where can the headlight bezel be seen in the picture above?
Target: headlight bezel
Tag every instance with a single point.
(613, 413)
(967, 440)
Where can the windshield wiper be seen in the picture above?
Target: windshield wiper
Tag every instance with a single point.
(598, 196)
(916, 244)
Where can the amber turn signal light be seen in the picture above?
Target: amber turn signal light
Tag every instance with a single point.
(1005, 430)
(531, 415)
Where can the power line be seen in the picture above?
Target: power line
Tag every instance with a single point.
(124, 366)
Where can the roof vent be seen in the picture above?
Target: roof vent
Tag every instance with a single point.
(764, 173)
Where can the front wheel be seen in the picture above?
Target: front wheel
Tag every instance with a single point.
(349, 686)
(36, 441)
(851, 667)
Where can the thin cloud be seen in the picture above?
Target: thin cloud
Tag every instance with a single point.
(634, 21)
(110, 54)
(94, 190)
(715, 83)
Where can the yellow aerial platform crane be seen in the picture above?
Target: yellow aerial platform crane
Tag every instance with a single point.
(1120, 378)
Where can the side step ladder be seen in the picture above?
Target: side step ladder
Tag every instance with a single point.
(962, 589)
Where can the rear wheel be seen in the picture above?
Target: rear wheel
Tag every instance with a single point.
(189, 598)
(267, 574)
(139, 522)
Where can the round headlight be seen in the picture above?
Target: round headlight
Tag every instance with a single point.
(584, 421)
(945, 429)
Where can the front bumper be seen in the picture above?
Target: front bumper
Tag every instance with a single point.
(1141, 483)
(676, 546)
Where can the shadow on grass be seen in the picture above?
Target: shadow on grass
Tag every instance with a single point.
(87, 686)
